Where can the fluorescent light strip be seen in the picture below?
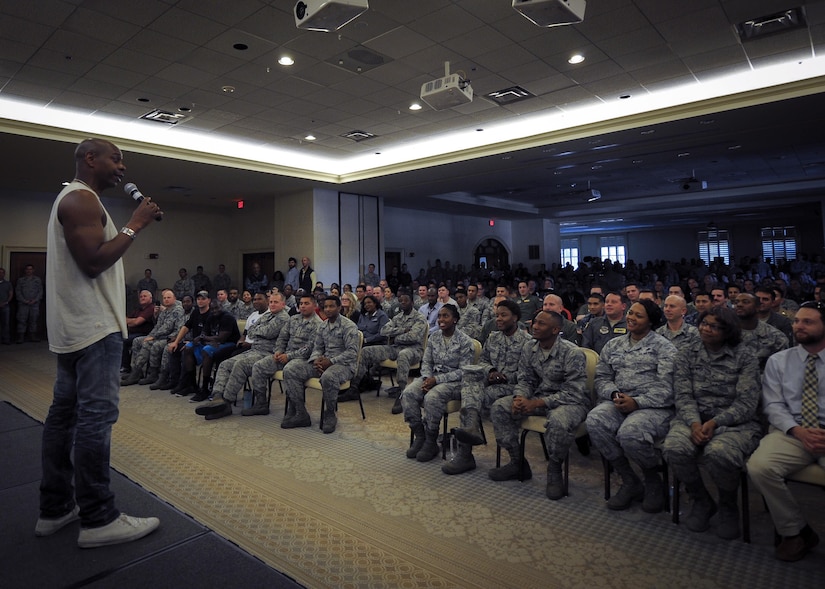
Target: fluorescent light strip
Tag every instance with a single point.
(457, 141)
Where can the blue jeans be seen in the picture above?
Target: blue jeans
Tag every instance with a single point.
(81, 417)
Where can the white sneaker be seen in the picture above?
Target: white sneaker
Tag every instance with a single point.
(124, 529)
(47, 527)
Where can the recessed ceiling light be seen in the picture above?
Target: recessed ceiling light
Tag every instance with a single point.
(143, 100)
(733, 147)
(241, 46)
(415, 106)
(228, 89)
(286, 60)
(624, 96)
(576, 58)
(310, 137)
(683, 154)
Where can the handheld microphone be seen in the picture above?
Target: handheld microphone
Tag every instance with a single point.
(132, 190)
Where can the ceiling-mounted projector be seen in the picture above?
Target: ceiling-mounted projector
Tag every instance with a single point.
(327, 15)
(450, 91)
(551, 13)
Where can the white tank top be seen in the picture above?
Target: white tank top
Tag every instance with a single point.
(81, 310)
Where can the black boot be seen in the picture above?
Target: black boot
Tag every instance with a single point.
(470, 431)
(185, 386)
(330, 419)
(299, 419)
(151, 377)
(430, 448)
(631, 489)
(131, 378)
(654, 499)
(555, 480)
(418, 440)
(698, 520)
(728, 528)
(511, 470)
(462, 461)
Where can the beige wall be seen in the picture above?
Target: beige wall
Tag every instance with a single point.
(186, 237)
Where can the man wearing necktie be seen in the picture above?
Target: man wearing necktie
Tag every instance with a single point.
(793, 396)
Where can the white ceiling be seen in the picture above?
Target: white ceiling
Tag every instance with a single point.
(112, 58)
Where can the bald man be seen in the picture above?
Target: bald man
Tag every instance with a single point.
(553, 304)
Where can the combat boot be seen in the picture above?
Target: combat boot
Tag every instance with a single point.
(462, 461)
(631, 489)
(299, 419)
(131, 378)
(330, 419)
(654, 496)
(151, 377)
(555, 481)
(430, 448)
(728, 528)
(512, 470)
(698, 520)
(418, 440)
(470, 431)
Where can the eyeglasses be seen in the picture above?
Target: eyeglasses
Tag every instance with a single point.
(711, 326)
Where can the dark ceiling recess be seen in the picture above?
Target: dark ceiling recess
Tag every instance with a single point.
(772, 24)
(359, 59)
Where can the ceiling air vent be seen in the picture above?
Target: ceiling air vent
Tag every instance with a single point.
(510, 95)
(358, 135)
(359, 59)
(780, 22)
(162, 116)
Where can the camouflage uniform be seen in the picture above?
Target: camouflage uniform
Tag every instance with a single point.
(557, 376)
(28, 288)
(763, 342)
(391, 308)
(444, 360)
(168, 323)
(500, 353)
(482, 304)
(599, 331)
(683, 337)
(183, 287)
(233, 372)
(470, 321)
(295, 340)
(724, 387)
(644, 371)
(406, 333)
(337, 341)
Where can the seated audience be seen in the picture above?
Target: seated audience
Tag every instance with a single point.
(233, 372)
(634, 380)
(147, 350)
(138, 323)
(551, 382)
(405, 335)
(716, 389)
(793, 398)
(447, 352)
(371, 321)
(333, 359)
(491, 378)
(612, 324)
(212, 330)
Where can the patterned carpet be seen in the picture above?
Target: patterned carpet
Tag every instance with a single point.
(349, 510)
